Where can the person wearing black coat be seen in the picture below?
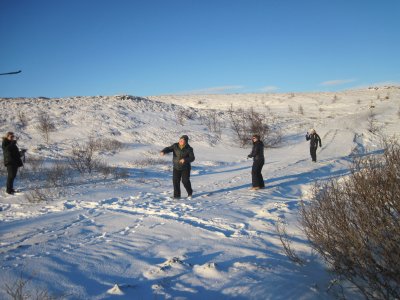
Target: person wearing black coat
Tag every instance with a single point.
(314, 139)
(257, 153)
(12, 160)
(183, 156)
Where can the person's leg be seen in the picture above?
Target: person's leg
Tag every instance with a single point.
(11, 174)
(176, 179)
(260, 177)
(313, 152)
(186, 181)
(255, 180)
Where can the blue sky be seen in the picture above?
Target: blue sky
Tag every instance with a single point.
(154, 47)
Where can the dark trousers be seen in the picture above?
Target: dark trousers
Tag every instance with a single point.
(256, 176)
(183, 175)
(11, 174)
(313, 153)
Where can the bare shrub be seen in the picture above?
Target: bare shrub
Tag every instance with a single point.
(83, 157)
(21, 289)
(335, 99)
(17, 290)
(286, 243)
(354, 224)
(182, 115)
(23, 120)
(45, 126)
(372, 122)
(58, 174)
(149, 161)
(290, 108)
(36, 195)
(34, 163)
(120, 173)
(245, 123)
(212, 120)
(300, 109)
(106, 144)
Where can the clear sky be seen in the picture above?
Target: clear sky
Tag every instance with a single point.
(152, 47)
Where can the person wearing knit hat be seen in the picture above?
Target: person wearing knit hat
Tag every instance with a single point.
(314, 139)
(182, 158)
(257, 153)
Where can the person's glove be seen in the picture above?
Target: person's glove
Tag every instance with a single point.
(249, 156)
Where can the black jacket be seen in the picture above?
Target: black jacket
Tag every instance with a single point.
(314, 140)
(186, 153)
(12, 156)
(257, 153)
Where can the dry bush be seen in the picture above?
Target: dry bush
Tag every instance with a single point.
(23, 120)
(34, 163)
(290, 108)
(106, 144)
(45, 126)
(245, 123)
(372, 122)
(212, 120)
(354, 224)
(83, 157)
(21, 289)
(182, 115)
(149, 161)
(300, 110)
(58, 174)
(286, 243)
(36, 195)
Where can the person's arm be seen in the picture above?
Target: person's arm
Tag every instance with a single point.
(254, 152)
(319, 139)
(308, 137)
(191, 157)
(167, 150)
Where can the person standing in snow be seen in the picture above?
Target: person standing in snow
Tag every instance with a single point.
(183, 156)
(314, 139)
(257, 153)
(12, 160)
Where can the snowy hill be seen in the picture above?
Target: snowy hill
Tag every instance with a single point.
(121, 236)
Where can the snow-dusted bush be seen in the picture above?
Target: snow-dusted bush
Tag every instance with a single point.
(182, 115)
(300, 110)
(83, 157)
(45, 126)
(21, 289)
(212, 120)
(36, 195)
(245, 123)
(23, 120)
(286, 243)
(354, 224)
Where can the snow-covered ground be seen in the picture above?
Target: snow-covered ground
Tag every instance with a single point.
(125, 238)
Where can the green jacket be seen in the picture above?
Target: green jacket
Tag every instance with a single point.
(186, 153)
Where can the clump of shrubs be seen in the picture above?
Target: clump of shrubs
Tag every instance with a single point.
(354, 224)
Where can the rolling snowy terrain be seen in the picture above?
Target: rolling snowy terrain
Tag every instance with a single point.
(122, 236)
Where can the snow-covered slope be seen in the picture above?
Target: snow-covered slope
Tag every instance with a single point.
(125, 238)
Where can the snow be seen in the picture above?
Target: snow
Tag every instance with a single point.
(126, 238)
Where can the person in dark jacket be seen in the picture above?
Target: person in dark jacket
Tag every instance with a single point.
(12, 160)
(257, 153)
(183, 156)
(314, 139)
